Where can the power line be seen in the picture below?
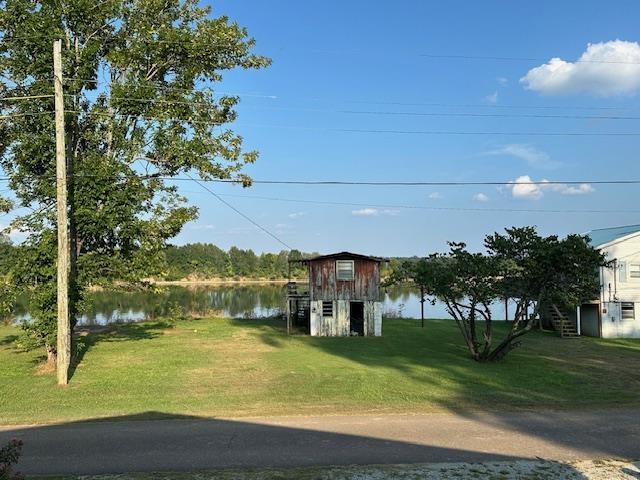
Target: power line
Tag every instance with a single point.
(364, 182)
(162, 85)
(424, 207)
(26, 97)
(428, 183)
(492, 105)
(250, 42)
(472, 133)
(391, 113)
(521, 59)
(483, 115)
(246, 217)
(358, 130)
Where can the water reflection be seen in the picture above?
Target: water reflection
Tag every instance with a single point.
(246, 301)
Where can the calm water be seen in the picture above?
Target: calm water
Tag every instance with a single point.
(233, 301)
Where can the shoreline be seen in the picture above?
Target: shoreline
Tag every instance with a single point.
(218, 281)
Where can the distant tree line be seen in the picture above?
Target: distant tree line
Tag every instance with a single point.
(205, 260)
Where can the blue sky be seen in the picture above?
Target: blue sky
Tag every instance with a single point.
(334, 61)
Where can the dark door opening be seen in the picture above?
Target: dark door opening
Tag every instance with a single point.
(356, 318)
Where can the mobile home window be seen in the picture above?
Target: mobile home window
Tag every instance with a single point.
(344, 269)
(327, 309)
(634, 270)
(628, 311)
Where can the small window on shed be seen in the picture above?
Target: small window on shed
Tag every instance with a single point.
(634, 270)
(344, 270)
(628, 311)
(327, 309)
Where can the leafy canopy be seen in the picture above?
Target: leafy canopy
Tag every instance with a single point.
(520, 265)
(141, 108)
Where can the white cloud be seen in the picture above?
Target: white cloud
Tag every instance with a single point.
(530, 154)
(492, 98)
(604, 69)
(435, 195)
(297, 214)
(481, 197)
(282, 228)
(564, 189)
(522, 187)
(502, 81)
(365, 212)
(374, 212)
(390, 212)
(202, 226)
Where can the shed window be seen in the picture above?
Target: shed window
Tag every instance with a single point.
(344, 269)
(628, 311)
(634, 270)
(327, 309)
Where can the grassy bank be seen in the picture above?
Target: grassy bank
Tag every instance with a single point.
(223, 367)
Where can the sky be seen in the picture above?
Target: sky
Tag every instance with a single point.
(356, 65)
(498, 74)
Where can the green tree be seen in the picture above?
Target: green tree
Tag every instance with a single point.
(539, 271)
(521, 265)
(139, 77)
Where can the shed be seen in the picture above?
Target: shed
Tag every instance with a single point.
(342, 296)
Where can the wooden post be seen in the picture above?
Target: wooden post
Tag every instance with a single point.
(506, 309)
(422, 306)
(63, 350)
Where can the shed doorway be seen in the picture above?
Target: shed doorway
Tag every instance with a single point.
(356, 318)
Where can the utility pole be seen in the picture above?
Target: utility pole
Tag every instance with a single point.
(422, 306)
(63, 358)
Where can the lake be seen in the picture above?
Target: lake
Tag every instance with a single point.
(237, 301)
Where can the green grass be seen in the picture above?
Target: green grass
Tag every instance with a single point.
(223, 367)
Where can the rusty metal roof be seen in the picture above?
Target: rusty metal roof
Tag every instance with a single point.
(341, 256)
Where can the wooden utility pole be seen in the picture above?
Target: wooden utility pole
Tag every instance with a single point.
(63, 349)
(422, 306)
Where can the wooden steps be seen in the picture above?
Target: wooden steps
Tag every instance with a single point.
(562, 323)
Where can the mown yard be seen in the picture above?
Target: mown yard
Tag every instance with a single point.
(225, 367)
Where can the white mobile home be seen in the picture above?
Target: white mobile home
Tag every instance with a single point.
(616, 313)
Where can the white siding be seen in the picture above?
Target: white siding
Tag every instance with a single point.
(617, 286)
(339, 324)
(614, 326)
(377, 315)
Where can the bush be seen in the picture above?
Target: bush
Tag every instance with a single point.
(9, 456)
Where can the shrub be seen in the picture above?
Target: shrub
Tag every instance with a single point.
(9, 456)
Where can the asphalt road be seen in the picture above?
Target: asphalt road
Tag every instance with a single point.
(192, 443)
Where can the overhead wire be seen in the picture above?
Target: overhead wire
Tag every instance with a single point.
(363, 130)
(246, 217)
(425, 207)
(389, 113)
(433, 183)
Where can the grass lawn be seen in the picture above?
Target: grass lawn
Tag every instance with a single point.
(224, 367)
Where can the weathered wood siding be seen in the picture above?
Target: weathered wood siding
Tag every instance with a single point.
(373, 319)
(339, 324)
(323, 284)
(334, 326)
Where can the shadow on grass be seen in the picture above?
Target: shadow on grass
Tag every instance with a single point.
(87, 338)
(135, 443)
(545, 372)
(8, 340)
